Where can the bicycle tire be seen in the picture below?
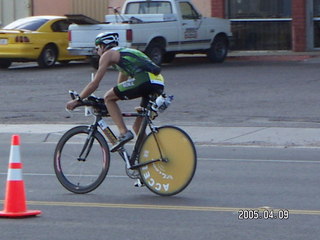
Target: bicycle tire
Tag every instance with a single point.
(171, 177)
(81, 176)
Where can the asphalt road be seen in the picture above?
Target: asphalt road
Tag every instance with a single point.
(235, 93)
(227, 181)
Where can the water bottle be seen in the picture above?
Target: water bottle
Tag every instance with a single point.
(162, 102)
(158, 102)
(166, 103)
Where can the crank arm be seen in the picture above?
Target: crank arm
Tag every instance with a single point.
(145, 163)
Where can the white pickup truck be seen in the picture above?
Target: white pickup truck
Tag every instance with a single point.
(160, 28)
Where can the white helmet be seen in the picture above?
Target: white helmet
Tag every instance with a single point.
(107, 38)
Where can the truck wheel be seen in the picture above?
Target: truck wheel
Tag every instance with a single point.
(48, 57)
(169, 57)
(94, 61)
(5, 63)
(218, 50)
(155, 53)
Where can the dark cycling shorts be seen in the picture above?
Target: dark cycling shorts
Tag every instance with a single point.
(142, 85)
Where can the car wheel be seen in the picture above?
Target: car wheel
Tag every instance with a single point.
(155, 53)
(5, 63)
(218, 50)
(48, 57)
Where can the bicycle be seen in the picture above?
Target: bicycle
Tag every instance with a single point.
(164, 160)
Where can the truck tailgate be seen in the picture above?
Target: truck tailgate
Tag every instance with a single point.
(84, 35)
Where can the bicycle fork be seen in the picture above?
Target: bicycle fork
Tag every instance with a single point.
(87, 145)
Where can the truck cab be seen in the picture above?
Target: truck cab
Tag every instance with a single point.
(162, 28)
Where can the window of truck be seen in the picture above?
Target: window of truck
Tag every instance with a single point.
(161, 7)
(187, 11)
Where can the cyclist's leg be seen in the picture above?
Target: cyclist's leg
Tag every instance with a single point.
(137, 124)
(138, 121)
(140, 86)
(149, 89)
(125, 90)
(111, 99)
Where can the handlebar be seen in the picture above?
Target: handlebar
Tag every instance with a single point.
(91, 101)
(159, 103)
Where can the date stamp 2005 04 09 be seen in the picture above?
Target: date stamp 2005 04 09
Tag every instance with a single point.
(252, 214)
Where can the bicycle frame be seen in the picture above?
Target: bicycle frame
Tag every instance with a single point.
(130, 161)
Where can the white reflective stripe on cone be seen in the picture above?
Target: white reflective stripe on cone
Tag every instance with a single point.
(14, 174)
(14, 154)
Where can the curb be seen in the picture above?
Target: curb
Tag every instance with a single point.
(214, 136)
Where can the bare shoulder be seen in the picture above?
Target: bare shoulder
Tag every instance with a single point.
(111, 57)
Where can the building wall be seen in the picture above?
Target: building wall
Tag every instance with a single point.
(114, 4)
(57, 7)
(299, 9)
(94, 8)
(218, 8)
(204, 7)
(11, 10)
(299, 23)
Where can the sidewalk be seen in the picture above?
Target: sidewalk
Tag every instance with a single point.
(216, 136)
(273, 56)
(265, 56)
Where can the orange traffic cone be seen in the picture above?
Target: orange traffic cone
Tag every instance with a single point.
(15, 200)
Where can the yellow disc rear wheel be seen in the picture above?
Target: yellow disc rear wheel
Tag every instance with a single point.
(171, 176)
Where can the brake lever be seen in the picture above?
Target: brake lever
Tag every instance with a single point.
(73, 94)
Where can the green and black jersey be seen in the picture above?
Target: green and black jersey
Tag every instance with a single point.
(133, 61)
(145, 77)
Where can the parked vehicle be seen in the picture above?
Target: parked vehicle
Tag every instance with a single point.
(161, 29)
(40, 38)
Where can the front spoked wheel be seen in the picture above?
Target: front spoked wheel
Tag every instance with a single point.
(81, 159)
(174, 174)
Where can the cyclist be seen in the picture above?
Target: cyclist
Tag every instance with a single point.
(138, 77)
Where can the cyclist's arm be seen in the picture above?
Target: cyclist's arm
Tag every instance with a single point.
(107, 59)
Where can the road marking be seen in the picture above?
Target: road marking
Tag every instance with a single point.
(259, 160)
(53, 175)
(159, 207)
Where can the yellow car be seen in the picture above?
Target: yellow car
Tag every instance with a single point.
(40, 38)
